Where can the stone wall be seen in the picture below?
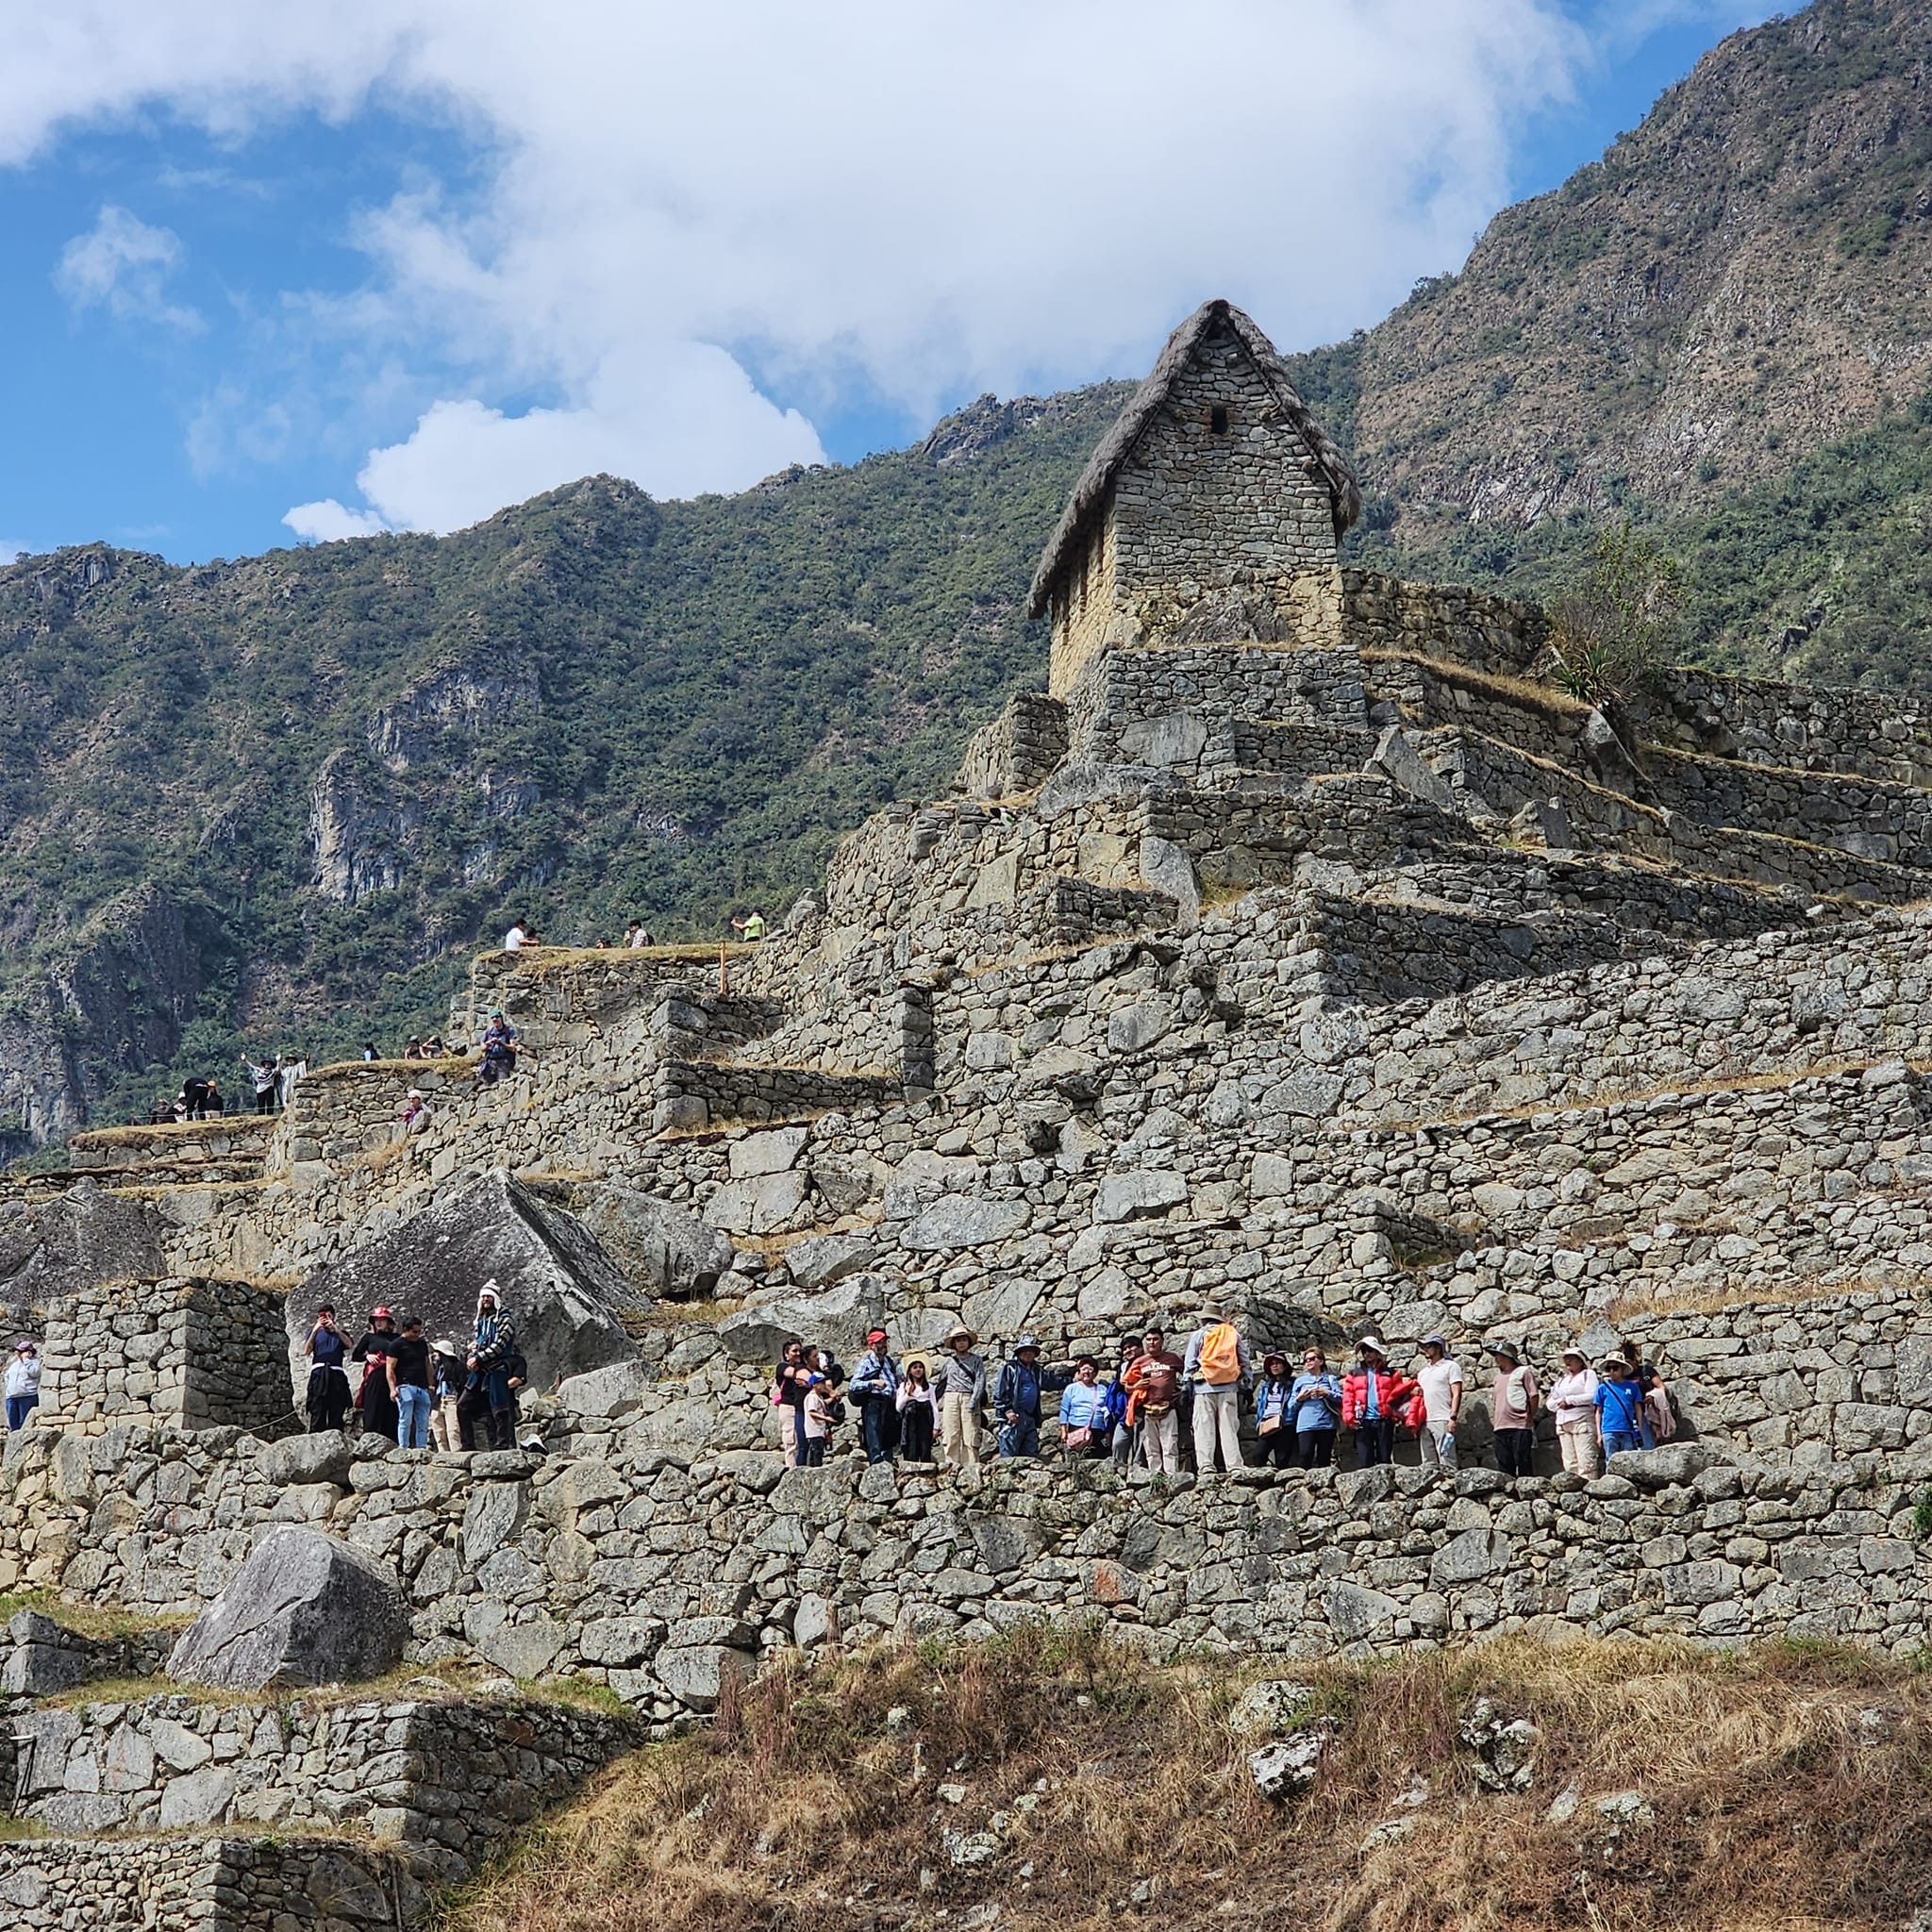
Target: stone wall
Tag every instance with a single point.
(1084, 616)
(230, 1138)
(1885, 734)
(659, 1571)
(452, 1775)
(1014, 753)
(212, 1884)
(1471, 628)
(196, 1353)
(341, 1113)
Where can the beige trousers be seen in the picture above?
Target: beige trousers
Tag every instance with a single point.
(1577, 1441)
(1160, 1440)
(1217, 1413)
(958, 1432)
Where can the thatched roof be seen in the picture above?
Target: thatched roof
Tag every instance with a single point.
(1096, 481)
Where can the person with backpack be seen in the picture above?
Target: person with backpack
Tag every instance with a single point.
(1658, 1423)
(1275, 1410)
(1373, 1398)
(1514, 1402)
(1016, 1399)
(1217, 1366)
(875, 1387)
(1315, 1398)
(1153, 1394)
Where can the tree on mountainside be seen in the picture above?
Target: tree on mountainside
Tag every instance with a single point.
(1626, 627)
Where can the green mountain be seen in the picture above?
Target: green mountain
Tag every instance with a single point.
(277, 801)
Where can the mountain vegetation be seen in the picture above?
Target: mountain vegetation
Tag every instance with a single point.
(275, 802)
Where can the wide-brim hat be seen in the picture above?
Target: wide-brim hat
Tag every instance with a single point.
(380, 1314)
(1025, 1343)
(1372, 1344)
(1506, 1349)
(1572, 1351)
(1441, 1342)
(446, 1347)
(920, 1356)
(1616, 1362)
(958, 1329)
(1274, 1354)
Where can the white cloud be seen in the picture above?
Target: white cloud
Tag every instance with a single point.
(328, 521)
(865, 199)
(9, 549)
(122, 264)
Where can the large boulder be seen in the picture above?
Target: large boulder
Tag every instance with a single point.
(304, 1608)
(662, 1248)
(564, 1291)
(72, 1242)
(837, 1320)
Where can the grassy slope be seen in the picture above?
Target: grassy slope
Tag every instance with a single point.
(1788, 1786)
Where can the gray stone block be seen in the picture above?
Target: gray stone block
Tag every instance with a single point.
(304, 1608)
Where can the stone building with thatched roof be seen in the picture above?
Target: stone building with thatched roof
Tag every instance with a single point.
(1209, 511)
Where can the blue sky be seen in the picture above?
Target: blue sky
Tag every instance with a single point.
(267, 280)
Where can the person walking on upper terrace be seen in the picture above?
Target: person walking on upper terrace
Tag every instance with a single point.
(1016, 1400)
(1372, 1396)
(1573, 1403)
(1439, 1377)
(1217, 1366)
(961, 1383)
(328, 1380)
(1154, 1396)
(750, 929)
(1316, 1398)
(23, 1384)
(1514, 1401)
(874, 1386)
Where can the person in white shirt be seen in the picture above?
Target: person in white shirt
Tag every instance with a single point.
(517, 938)
(1441, 1376)
(23, 1384)
(1573, 1401)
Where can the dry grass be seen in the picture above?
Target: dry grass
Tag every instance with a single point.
(1121, 1799)
(1522, 692)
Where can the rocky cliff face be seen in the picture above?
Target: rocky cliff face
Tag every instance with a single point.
(1737, 281)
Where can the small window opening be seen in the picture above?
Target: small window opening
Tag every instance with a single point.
(1217, 419)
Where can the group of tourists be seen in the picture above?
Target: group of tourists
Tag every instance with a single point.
(1142, 1409)
(419, 1393)
(269, 1082)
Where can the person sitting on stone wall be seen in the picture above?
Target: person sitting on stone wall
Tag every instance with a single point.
(1217, 1366)
(1017, 1399)
(1275, 1410)
(161, 1114)
(433, 1048)
(328, 1380)
(413, 1050)
(1316, 1395)
(1372, 1396)
(415, 1110)
(875, 1384)
(487, 1395)
(1083, 1411)
(961, 1383)
(1153, 1390)
(499, 1045)
(918, 1405)
(373, 1396)
(1120, 1397)
(1619, 1407)
(1514, 1401)
(23, 1384)
(1573, 1403)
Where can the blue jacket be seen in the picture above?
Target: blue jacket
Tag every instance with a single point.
(1021, 1388)
(1082, 1408)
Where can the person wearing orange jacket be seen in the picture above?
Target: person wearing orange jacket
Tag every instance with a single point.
(1374, 1398)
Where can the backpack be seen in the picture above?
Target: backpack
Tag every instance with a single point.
(1221, 1359)
(516, 1368)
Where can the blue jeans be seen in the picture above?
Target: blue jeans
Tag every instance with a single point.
(881, 1427)
(17, 1408)
(1617, 1440)
(412, 1416)
(1021, 1438)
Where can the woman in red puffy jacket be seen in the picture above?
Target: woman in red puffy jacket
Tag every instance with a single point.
(1373, 1400)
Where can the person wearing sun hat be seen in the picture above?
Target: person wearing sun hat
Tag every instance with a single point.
(372, 1395)
(1514, 1399)
(1274, 1410)
(1573, 1401)
(1372, 1396)
(962, 1385)
(1441, 1380)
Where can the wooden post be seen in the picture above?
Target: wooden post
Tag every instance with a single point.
(724, 971)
